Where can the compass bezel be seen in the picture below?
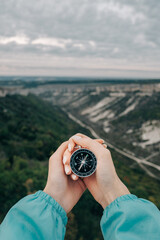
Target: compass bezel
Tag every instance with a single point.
(72, 160)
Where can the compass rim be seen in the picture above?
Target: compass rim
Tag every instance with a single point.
(91, 171)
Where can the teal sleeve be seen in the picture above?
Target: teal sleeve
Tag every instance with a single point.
(35, 217)
(131, 218)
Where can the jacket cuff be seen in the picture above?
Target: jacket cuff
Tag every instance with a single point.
(54, 204)
(117, 201)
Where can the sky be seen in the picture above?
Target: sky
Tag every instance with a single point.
(95, 38)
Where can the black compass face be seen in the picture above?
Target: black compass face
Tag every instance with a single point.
(83, 162)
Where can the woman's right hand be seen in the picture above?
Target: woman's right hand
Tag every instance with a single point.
(104, 184)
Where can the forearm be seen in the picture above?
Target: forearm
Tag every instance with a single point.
(37, 216)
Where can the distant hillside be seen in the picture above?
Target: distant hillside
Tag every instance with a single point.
(31, 128)
(33, 82)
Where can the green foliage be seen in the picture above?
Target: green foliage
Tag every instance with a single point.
(72, 228)
(19, 179)
(32, 128)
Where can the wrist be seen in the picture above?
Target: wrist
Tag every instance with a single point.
(118, 189)
(57, 198)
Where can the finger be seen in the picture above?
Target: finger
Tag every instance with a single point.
(104, 145)
(67, 153)
(66, 157)
(71, 145)
(58, 154)
(83, 141)
(81, 135)
(74, 177)
(67, 169)
(60, 150)
(99, 140)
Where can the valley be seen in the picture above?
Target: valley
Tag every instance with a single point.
(126, 116)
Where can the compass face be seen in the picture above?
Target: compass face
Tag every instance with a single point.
(83, 162)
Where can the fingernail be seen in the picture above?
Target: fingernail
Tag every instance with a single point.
(76, 137)
(67, 169)
(64, 159)
(69, 147)
(74, 177)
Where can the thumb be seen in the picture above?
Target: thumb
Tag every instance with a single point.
(60, 150)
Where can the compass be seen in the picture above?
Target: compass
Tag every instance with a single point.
(83, 162)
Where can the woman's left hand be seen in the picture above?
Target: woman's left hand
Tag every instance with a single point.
(60, 186)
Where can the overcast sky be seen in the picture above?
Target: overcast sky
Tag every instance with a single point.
(116, 38)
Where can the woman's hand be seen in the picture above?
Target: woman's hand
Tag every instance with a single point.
(60, 186)
(104, 184)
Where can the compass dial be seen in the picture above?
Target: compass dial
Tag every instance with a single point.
(83, 162)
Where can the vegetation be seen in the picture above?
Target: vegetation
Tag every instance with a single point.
(30, 131)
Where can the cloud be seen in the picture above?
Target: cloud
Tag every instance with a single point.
(112, 33)
(16, 39)
(60, 43)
